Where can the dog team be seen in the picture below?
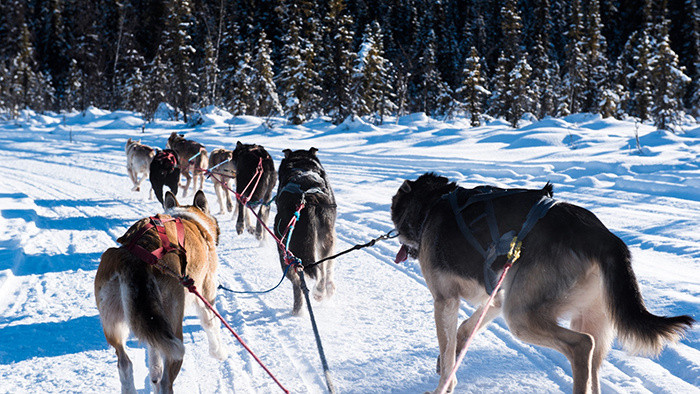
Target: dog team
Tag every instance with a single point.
(572, 268)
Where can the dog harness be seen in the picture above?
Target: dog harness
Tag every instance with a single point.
(163, 157)
(500, 243)
(153, 257)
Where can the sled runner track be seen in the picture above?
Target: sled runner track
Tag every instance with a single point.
(279, 340)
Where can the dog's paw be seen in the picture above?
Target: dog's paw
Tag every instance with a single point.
(220, 353)
(330, 289)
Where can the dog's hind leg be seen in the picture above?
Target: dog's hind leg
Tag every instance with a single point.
(446, 317)
(133, 177)
(594, 321)
(264, 213)
(537, 326)
(227, 193)
(155, 365)
(217, 190)
(187, 185)
(209, 321)
(116, 331)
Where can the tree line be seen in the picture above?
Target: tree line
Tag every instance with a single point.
(302, 58)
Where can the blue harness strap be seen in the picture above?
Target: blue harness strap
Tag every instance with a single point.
(500, 244)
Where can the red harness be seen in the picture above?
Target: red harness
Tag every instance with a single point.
(155, 256)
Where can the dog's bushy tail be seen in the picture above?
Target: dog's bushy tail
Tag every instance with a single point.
(638, 330)
(143, 306)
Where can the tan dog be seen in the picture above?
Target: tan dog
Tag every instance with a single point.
(134, 296)
(138, 160)
(224, 170)
(187, 150)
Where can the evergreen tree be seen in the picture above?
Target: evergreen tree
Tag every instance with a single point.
(177, 53)
(208, 74)
(575, 75)
(298, 81)
(266, 102)
(372, 79)
(519, 92)
(497, 102)
(156, 82)
(596, 71)
(25, 86)
(336, 67)
(472, 90)
(53, 47)
(641, 95)
(432, 95)
(231, 50)
(510, 96)
(543, 69)
(243, 97)
(667, 79)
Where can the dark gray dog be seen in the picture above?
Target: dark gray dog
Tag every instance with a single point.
(302, 175)
(246, 158)
(571, 266)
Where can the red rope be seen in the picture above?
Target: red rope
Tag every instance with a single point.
(193, 289)
(256, 177)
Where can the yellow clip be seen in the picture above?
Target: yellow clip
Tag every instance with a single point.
(514, 253)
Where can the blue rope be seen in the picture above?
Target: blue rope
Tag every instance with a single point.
(259, 292)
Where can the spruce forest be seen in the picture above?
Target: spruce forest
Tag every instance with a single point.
(372, 58)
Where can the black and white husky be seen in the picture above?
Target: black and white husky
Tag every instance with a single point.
(571, 267)
(302, 175)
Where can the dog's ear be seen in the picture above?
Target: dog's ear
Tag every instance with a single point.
(239, 144)
(200, 201)
(129, 141)
(287, 152)
(406, 186)
(313, 151)
(170, 201)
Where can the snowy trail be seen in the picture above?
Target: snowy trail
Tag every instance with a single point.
(63, 204)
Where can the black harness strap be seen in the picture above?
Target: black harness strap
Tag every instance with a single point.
(500, 244)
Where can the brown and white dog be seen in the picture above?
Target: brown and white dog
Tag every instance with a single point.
(138, 160)
(223, 171)
(134, 296)
(186, 150)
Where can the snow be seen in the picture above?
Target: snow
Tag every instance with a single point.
(62, 204)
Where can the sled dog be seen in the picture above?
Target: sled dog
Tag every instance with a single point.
(571, 267)
(224, 170)
(301, 175)
(138, 158)
(164, 171)
(187, 150)
(246, 158)
(134, 296)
